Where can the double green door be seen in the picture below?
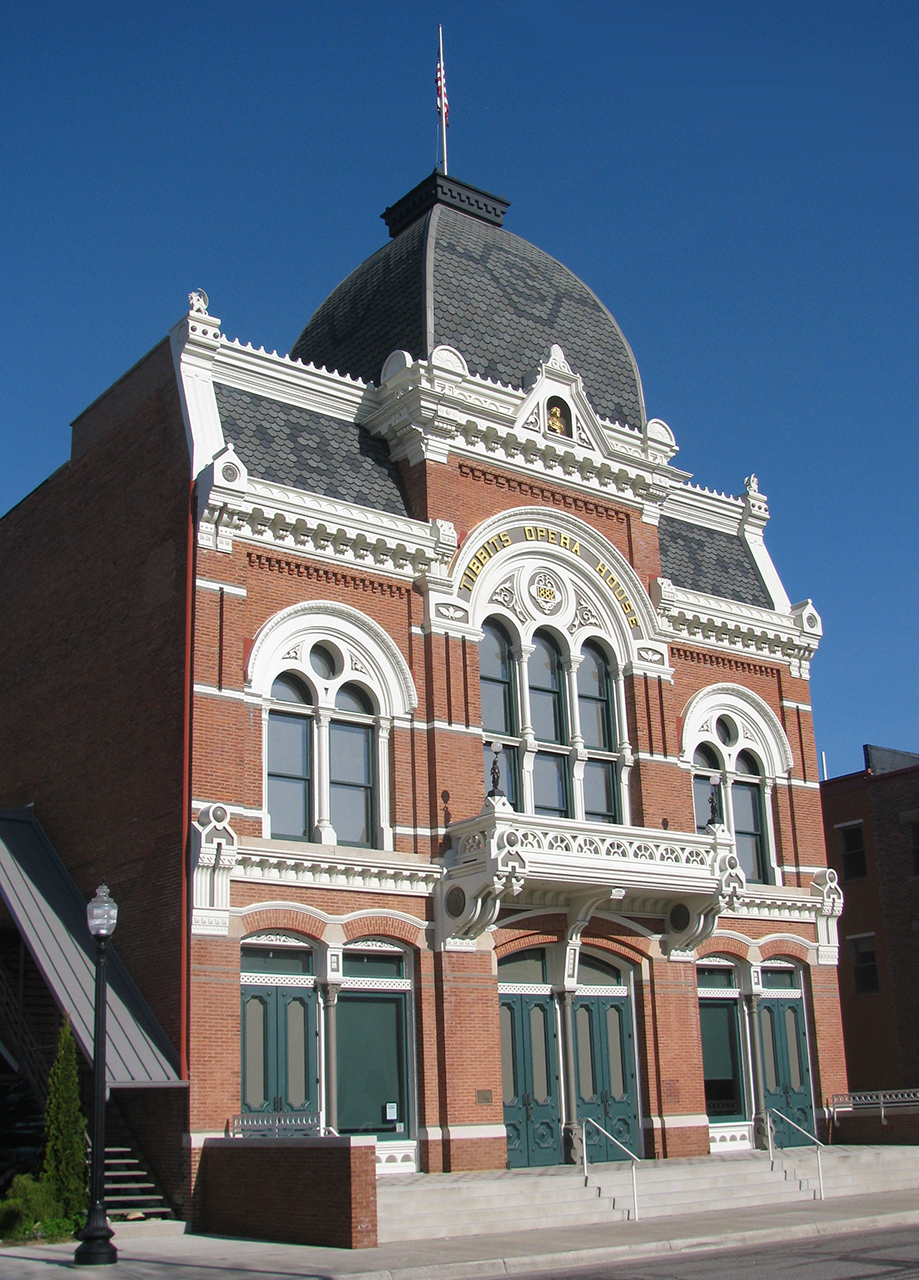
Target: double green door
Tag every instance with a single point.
(604, 1061)
(279, 1048)
(529, 1069)
(786, 1068)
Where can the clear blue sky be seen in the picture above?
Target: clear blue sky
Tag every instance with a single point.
(736, 179)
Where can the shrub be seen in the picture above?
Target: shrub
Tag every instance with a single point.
(28, 1203)
(64, 1170)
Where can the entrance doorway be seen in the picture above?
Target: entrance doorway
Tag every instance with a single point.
(604, 1055)
(373, 1046)
(786, 1062)
(529, 1060)
(278, 995)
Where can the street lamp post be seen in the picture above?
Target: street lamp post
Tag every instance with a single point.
(96, 1248)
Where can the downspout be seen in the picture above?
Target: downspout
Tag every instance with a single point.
(186, 785)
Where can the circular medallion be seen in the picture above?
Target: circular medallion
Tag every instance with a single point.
(230, 473)
(546, 592)
(679, 917)
(455, 902)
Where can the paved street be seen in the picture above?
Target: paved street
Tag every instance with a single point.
(852, 1238)
(881, 1254)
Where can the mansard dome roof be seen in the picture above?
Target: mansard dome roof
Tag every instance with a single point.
(451, 274)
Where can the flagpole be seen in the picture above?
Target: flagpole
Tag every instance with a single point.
(443, 98)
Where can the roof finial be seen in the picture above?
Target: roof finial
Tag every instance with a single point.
(443, 106)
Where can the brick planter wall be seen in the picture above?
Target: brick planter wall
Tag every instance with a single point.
(291, 1190)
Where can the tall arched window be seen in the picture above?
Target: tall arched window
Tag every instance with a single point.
(290, 758)
(551, 787)
(351, 767)
(595, 712)
(731, 792)
(499, 706)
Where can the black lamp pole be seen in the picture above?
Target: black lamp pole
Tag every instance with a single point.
(96, 1248)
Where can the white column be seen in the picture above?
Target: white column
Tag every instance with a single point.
(323, 831)
(383, 733)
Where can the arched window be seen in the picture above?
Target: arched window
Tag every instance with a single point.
(351, 781)
(747, 806)
(595, 712)
(290, 759)
(551, 788)
(499, 708)
(739, 780)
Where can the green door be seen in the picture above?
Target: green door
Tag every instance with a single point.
(786, 1068)
(279, 1048)
(372, 1064)
(529, 1069)
(604, 1064)
(722, 1063)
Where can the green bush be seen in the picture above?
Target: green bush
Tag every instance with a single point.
(64, 1170)
(27, 1204)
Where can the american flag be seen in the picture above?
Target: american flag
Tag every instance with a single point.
(442, 103)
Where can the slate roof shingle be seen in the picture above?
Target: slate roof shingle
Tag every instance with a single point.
(711, 561)
(292, 446)
(498, 300)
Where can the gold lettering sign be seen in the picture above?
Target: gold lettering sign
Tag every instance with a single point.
(548, 536)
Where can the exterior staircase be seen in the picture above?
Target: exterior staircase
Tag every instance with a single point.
(131, 1190)
(437, 1206)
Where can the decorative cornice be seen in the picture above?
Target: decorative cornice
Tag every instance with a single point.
(322, 573)
(335, 868)
(728, 624)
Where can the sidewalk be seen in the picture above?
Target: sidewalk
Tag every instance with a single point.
(478, 1257)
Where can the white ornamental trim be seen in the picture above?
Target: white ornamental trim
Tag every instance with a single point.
(336, 872)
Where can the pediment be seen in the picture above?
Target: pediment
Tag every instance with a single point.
(557, 408)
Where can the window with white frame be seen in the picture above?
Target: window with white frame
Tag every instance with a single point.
(728, 787)
(322, 748)
(553, 715)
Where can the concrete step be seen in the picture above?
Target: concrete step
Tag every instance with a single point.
(486, 1197)
(440, 1228)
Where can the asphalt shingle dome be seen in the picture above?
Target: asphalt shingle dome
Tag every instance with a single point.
(453, 275)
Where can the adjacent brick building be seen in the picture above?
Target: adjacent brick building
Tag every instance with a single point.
(263, 632)
(871, 820)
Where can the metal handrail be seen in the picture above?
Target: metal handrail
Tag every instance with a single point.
(810, 1137)
(881, 1100)
(631, 1154)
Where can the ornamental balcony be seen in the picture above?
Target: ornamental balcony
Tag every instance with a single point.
(502, 858)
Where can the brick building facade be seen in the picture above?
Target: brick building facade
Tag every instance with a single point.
(258, 679)
(871, 820)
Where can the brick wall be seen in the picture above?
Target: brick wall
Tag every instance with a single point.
(294, 1190)
(93, 583)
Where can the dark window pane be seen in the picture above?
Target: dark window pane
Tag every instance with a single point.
(585, 1045)
(864, 964)
(599, 791)
(494, 659)
(747, 764)
(720, 977)
(523, 966)
(276, 960)
(542, 665)
(350, 753)
(852, 845)
(550, 790)
(594, 972)
(701, 799)
(704, 757)
(787, 978)
(592, 674)
(507, 763)
(594, 724)
(351, 814)
(290, 688)
(745, 801)
(496, 708)
(371, 964)
(540, 1053)
(352, 698)
(288, 807)
(322, 662)
(288, 745)
(508, 1055)
(546, 717)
